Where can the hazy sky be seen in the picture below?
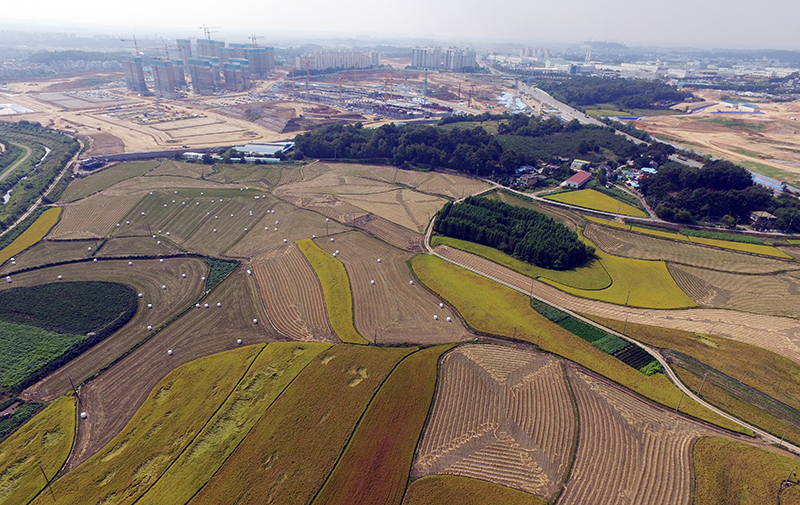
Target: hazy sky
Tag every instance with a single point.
(708, 23)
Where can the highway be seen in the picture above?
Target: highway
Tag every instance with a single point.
(767, 437)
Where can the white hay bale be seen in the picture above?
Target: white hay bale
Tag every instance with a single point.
(331, 239)
(219, 304)
(255, 321)
(411, 282)
(149, 328)
(95, 260)
(203, 278)
(141, 295)
(197, 305)
(159, 243)
(284, 241)
(169, 352)
(448, 319)
(372, 282)
(89, 249)
(84, 415)
(130, 263)
(313, 236)
(8, 279)
(59, 277)
(379, 260)
(239, 340)
(127, 222)
(435, 317)
(161, 260)
(215, 230)
(163, 286)
(245, 229)
(441, 305)
(183, 275)
(249, 272)
(206, 305)
(168, 234)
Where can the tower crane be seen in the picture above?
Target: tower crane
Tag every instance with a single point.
(135, 44)
(208, 30)
(254, 38)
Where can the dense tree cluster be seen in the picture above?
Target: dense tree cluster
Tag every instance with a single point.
(720, 188)
(525, 234)
(470, 150)
(625, 93)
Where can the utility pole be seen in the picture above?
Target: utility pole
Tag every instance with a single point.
(678, 408)
(700, 391)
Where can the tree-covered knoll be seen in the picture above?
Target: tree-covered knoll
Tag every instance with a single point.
(70, 307)
(718, 191)
(581, 91)
(525, 234)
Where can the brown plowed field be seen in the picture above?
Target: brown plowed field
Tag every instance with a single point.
(392, 308)
(136, 246)
(93, 217)
(292, 295)
(112, 398)
(230, 229)
(293, 224)
(390, 232)
(49, 251)
(637, 245)
(500, 414)
(628, 450)
(776, 294)
(777, 334)
(144, 276)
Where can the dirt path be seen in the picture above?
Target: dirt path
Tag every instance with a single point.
(20, 162)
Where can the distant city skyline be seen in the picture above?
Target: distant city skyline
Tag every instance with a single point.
(678, 23)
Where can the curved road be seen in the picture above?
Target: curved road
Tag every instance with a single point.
(20, 162)
(667, 370)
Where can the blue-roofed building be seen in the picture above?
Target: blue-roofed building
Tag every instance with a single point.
(264, 148)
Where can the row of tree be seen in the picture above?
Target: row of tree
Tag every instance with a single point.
(525, 234)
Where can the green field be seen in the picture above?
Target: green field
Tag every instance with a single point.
(174, 413)
(26, 349)
(274, 368)
(32, 235)
(103, 179)
(443, 489)
(639, 283)
(793, 241)
(591, 276)
(44, 441)
(386, 437)
(336, 288)
(69, 307)
(733, 473)
(292, 449)
(492, 308)
(591, 199)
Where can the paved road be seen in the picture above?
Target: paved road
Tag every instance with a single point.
(767, 437)
(8, 171)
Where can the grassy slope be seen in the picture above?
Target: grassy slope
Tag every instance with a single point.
(495, 309)
(386, 437)
(733, 473)
(33, 234)
(292, 449)
(592, 276)
(174, 413)
(439, 489)
(26, 349)
(591, 199)
(272, 371)
(768, 372)
(45, 440)
(646, 284)
(336, 288)
(107, 178)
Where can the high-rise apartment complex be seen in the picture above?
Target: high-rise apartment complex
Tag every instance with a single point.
(164, 79)
(202, 79)
(185, 50)
(134, 74)
(324, 60)
(435, 58)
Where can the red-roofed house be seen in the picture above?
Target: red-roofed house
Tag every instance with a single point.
(578, 180)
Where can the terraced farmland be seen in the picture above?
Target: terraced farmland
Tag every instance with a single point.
(390, 232)
(113, 397)
(292, 224)
(271, 372)
(292, 295)
(628, 450)
(49, 251)
(167, 422)
(144, 276)
(392, 308)
(106, 178)
(385, 439)
(93, 217)
(32, 235)
(215, 235)
(136, 246)
(501, 415)
(44, 442)
(591, 199)
(635, 245)
(289, 453)
(465, 491)
(775, 294)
